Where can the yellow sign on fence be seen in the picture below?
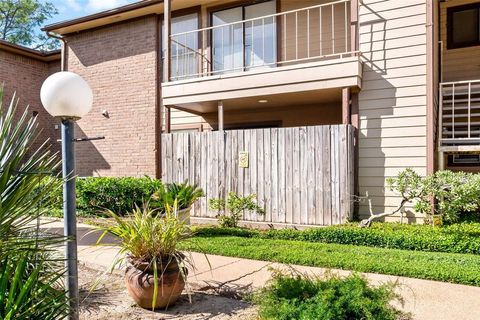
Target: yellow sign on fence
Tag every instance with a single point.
(243, 159)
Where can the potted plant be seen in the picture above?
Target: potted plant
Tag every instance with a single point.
(155, 269)
(184, 194)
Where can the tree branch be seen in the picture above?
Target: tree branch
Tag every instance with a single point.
(365, 223)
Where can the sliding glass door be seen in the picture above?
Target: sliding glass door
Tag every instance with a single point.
(260, 35)
(249, 43)
(184, 47)
(227, 40)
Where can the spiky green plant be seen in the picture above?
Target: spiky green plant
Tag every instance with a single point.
(183, 194)
(30, 279)
(147, 237)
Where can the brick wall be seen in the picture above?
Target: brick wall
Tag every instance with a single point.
(24, 76)
(119, 63)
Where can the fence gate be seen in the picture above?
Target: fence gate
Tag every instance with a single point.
(301, 175)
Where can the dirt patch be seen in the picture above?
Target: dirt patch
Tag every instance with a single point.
(110, 301)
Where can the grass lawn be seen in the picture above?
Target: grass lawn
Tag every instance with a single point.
(456, 238)
(448, 267)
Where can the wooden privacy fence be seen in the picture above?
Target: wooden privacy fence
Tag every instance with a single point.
(301, 175)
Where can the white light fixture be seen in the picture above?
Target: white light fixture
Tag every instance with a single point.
(262, 101)
(66, 95)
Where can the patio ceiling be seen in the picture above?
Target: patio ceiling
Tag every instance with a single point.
(319, 97)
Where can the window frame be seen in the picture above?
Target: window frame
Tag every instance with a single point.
(452, 163)
(239, 4)
(194, 127)
(450, 12)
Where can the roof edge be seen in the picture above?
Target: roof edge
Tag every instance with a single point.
(102, 14)
(31, 53)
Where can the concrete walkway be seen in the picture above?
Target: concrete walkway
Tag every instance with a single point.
(424, 299)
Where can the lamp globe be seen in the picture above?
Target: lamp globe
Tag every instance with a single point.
(66, 95)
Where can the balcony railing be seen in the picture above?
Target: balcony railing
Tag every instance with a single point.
(460, 112)
(302, 35)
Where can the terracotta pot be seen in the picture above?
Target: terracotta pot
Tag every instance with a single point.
(184, 215)
(140, 285)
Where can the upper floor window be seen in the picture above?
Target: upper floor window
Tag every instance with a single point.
(238, 45)
(463, 26)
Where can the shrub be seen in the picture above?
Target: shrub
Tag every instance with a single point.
(96, 195)
(233, 208)
(455, 193)
(456, 238)
(119, 195)
(295, 296)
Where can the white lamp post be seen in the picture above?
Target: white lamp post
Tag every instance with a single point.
(65, 95)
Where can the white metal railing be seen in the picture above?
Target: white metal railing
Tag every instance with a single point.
(301, 35)
(459, 112)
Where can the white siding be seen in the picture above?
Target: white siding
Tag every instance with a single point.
(392, 103)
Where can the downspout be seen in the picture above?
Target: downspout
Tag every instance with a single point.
(431, 52)
(440, 154)
(64, 50)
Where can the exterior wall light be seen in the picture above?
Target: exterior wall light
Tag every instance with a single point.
(67, 96)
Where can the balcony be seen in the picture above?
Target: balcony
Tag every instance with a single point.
(302, 50)
(459, 119)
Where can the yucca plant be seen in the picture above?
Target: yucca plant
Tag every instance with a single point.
(30, 287)
(30, 275)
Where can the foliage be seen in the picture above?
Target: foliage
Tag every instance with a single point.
(120, 195)
(95, 195)
(295, 296)
(183, 193)
(409, 185)
(31, 290)
(235, 206)
(448, 267)
(455, 238)
(29, 286)
(19, 20)
(147, 238)
(455, 193)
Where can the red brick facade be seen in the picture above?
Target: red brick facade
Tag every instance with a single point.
(120, 64)
(24, 76)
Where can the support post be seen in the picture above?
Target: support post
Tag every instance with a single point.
(167, 28)
(220, 116)
(69, 214)
(168, 119)
(441, 160)
(346, 106)
(355, 121)
(354, 25)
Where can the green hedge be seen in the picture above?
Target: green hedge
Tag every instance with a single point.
(456, 238)
(95, 194)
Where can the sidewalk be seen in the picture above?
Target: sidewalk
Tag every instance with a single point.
(424, 299)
